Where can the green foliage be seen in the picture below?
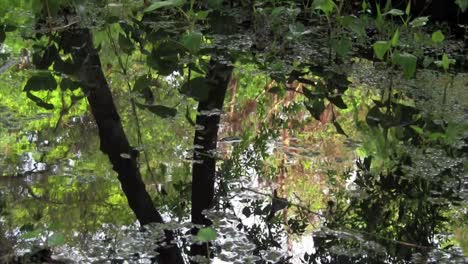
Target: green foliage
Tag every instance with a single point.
(326, 6)
(438, 37)
(463, 4)
(160, 4)
(160, 110)
(407, 62)
(206, 234)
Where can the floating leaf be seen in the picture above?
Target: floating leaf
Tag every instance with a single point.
(35, 234)
(407, 62)
(207, 234)
(160, 110)
(57, 239)
(43, 81)
(247, 211)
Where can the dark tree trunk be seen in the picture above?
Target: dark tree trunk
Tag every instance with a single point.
(204, 167)
(114, 142)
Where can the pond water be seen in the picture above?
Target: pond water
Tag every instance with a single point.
(349, 161)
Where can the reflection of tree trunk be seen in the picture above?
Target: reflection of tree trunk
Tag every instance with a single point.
(203, 172)
(204, 167)
(114, 142)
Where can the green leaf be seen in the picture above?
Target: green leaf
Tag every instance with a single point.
(445, 62)
(396, 38)
(316, 109)
(342, 46)
(57, 239)
(206, 234)
(438, 36)
(160, 4)
(338, 101)
(394, 12)
(35, 234)
(39, 102)
(68, 84)
(326, 6)
(407, 62)
(126, 44)
(381, 48)
(408, 8)
(43, 81)
(165, 57)
(339, 129)
(419, 22)
(192, 41)
(463, 4)
(160, 110)
(198, 88)
(142, 88)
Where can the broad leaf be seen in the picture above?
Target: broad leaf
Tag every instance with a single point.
(125, 44)
(407, 62)
(394, 12)
(206, 234)
(43, 81)
(198, 88)
(326, 6)
(159, 110)
(142, 88)
(165, 57)
(381, 48)
(57, 239)
(192, 41)
(438, 36)
(419, 22)
(68, 84)
(160, 4)
(39, 102)
(338, 101)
